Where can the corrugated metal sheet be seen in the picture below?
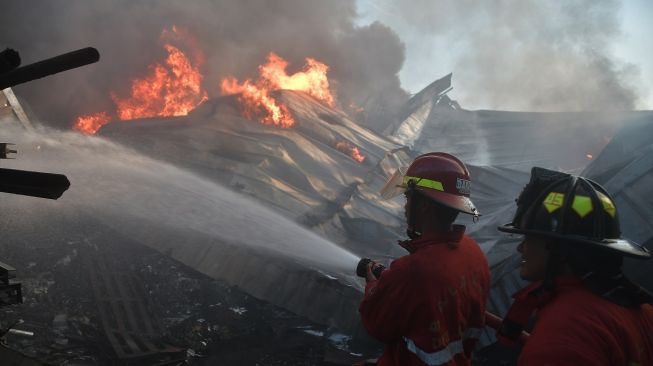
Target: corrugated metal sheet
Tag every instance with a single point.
(625, 168)
(520, 140)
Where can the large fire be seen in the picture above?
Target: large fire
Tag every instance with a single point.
(170, 89)
(255, 96)
(347, 148)
(174, 88)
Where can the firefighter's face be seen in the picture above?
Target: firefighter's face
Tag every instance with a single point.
(534, 258)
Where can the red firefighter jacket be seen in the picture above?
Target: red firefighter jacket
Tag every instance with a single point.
(428, 307)
(577, 327)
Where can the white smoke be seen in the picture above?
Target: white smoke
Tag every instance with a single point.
(139, 197)
(517, 54)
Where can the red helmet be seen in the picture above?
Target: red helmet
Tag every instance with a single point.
(439, 176)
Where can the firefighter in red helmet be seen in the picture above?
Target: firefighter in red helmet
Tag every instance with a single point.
(428, 307)
(588, 312)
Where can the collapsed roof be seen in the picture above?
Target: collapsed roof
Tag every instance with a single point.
(180, 206)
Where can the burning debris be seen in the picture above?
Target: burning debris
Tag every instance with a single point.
(256, 100)
(173, 89)
(91, 123)
(347, 148)
(257, 103)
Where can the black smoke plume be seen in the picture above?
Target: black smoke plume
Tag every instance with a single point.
(235, 36)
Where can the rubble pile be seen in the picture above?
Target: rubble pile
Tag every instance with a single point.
(205, 321)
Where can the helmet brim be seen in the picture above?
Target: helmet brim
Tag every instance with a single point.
(459, 203)
(621, 246)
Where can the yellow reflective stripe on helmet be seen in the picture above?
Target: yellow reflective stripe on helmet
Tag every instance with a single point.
(608, 205)
(426, 183)
(582, 205)
(553, 201)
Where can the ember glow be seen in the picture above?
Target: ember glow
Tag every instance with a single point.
(347, 148)
(356, 108)
(170, 89)
(255, 96)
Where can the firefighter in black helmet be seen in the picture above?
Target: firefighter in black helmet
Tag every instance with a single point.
(588, 313)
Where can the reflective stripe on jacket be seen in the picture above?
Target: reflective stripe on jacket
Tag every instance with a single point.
(446, 354)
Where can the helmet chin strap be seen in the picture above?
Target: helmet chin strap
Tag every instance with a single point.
(412, 211)
(553, 267)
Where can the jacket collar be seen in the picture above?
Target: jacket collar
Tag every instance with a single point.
(526, 302)
(454, 236)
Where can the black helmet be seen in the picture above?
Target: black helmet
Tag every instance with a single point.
(573, 209)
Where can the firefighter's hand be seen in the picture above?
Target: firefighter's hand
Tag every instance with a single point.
(369, 276)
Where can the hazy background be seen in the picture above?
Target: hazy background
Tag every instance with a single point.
(526, 54)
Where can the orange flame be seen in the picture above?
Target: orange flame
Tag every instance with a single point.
(347, 148)
(256, 100)
(312, 80)
(168, 91)
(257, 103)
(173, 89)
(91, 123)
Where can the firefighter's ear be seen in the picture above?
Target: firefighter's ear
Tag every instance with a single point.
(425, 207)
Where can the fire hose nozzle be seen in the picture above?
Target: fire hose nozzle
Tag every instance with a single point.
(361, 268)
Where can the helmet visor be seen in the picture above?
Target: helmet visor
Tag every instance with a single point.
(395, 185)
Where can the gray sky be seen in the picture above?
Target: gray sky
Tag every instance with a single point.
(636, 44)
(526, 54)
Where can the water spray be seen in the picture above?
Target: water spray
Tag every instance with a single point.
(361, 268)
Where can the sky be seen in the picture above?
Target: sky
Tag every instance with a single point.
(506, 44)
(637, 44)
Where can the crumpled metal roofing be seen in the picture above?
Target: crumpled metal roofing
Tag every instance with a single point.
(338, 199)
(625, 169)
(299, 173)
(500, 148)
